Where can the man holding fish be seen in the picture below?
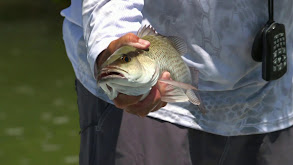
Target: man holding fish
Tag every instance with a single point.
(191, 73)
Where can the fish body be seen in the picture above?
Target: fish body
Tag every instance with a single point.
(168, 58)
(134, 71)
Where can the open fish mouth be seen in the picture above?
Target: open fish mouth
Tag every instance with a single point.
(111, 72)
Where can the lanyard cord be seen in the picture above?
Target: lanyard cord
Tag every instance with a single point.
(271, 10)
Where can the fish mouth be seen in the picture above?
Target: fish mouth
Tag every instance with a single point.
(111, 72)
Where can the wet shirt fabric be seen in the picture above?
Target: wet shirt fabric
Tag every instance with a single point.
(219, 36)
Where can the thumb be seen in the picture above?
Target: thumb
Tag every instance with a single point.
(162, 86)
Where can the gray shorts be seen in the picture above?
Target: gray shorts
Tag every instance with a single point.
(111, 137)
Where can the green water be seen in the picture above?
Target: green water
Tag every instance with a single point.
(38, 111)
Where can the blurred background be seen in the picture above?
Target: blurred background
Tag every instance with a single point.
(38, 111)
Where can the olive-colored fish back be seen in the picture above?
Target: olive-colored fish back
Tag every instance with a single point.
(167, 57)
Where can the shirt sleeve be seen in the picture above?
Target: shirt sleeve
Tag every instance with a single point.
(107, 20)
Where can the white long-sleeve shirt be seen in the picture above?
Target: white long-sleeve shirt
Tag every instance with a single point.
(219, 35)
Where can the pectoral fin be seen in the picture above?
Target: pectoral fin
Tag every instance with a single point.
(181, 92)
(174, 94)
(178, 84)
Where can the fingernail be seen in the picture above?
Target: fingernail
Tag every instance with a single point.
(144, 42)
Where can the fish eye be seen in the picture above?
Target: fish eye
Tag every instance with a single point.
(125, 58)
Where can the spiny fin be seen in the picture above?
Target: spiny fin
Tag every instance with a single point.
(179, 44)
(146, 31)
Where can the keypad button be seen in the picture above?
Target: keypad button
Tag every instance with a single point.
(284, 63)
(284, 57)
(280, 67)
(274, 68)
(276, 37)
(275, 54)
(284, 50)
(279, 59)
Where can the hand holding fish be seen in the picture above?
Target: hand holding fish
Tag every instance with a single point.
(132, 72)
(132, 104)
(128, 39)
(151, 103)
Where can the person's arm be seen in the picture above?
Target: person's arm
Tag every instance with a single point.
(105, 21)
(107, 27)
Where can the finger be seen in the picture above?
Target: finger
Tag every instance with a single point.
(143, 107)
(132, 40)
(155, 107)
(144, 113)
(128, 39)
(162, 86)
(159, 106)
(152, 102)
(162, 104)
(155, 95)
(141, 44)
(122, 100)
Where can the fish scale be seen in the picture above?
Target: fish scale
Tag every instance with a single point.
(168, 59)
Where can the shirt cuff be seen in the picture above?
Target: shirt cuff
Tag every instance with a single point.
(95, 51)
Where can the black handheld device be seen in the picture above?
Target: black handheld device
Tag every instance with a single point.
(269, 47)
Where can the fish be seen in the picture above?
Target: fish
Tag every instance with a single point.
(134, 72)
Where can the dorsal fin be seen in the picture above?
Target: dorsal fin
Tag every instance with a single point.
(146, 31)
(179, 44)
